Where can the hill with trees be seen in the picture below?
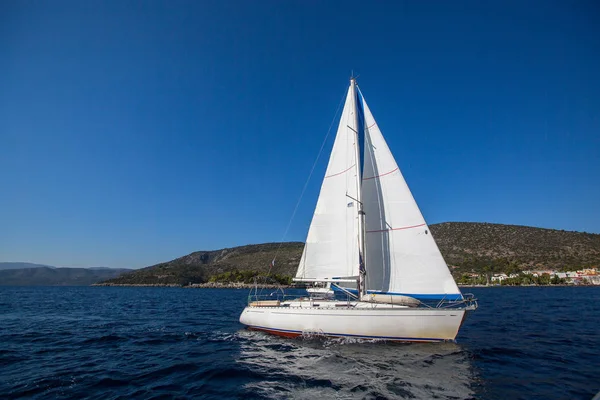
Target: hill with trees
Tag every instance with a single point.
(466, 246)
(479, 247)
(237, 264)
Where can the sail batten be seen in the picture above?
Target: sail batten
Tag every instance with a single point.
(397, 229)
(380, 175)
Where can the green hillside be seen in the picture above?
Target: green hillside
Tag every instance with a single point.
(201, 266)
(475, 246)
(466, 247)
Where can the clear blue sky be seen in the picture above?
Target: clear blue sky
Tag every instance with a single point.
(135, 132)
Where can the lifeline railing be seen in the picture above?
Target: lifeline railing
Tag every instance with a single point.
(468, 301)
(268, 289)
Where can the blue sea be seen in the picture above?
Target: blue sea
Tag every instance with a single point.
(151, 343)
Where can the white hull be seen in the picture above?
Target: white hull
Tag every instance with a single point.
(355, 319)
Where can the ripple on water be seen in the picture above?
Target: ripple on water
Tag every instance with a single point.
(111, 343)
(322, 368)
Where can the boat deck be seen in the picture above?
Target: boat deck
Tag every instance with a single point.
(323, 304)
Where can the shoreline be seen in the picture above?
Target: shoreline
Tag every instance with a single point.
(495, 286)
(208, 285)
(238, 285)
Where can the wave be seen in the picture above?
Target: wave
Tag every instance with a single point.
(350, 368)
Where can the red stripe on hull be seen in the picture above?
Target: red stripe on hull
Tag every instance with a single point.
(278, 333)
(295, 335)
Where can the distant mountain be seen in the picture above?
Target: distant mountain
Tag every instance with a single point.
(52, 276)
(21, 265)
(466, 246)
(199, 266)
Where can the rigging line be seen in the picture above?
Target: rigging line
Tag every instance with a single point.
(307, 180)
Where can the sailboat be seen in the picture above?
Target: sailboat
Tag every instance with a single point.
(369, 244)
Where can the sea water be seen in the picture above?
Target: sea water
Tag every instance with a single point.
(109, 343)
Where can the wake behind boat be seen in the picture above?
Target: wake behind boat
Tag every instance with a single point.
(377, 271)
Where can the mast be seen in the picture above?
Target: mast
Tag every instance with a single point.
(361, 215)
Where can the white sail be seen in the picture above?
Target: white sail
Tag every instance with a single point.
(331, 248)
(401, 255)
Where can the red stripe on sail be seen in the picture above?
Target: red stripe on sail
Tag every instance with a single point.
(397, 229)
(339, 173)
(377, 176)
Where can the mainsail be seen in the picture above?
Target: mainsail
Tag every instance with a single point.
(332, 246)
(401, 255)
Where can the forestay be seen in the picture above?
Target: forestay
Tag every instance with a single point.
(401, 255)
